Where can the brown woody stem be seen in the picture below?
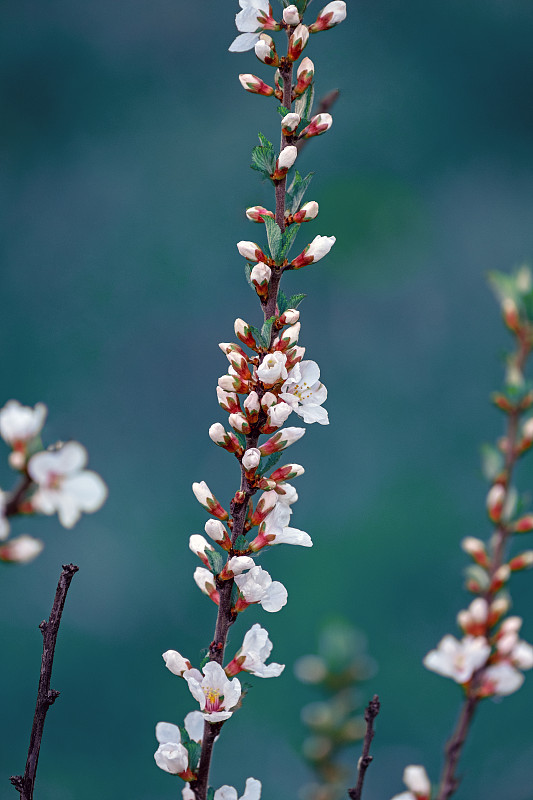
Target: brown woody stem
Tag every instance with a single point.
(371, 712)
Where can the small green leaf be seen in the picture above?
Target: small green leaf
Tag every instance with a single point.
(242, 439)
(266, 330)
(295, 300)
(256, 333)
(492, 461)
(283, 111)
(274, 236)
(210, 794)
(234, 594)
(283, 303)
(205, 660)
(264, 157)
(216, 561)
(264, 141)
(185, 738)
(194, 750)
(304, 103)
(240, 543)
(269, 463)
(297, 190)
(288, 239)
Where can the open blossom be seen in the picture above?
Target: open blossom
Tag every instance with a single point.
(458, 659)
(20, 424)
(272, 369)
(63, 485)
(215, 693)
(251, 20)
(501, 679)
(251, 792)
(255, 650)
(275, 529)
(256, 586)
(305, 394)
(416, 779)
(21, 549)
(171, 756)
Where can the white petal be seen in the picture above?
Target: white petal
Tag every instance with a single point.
(87, 488)
(253, 789)
(218, 716)
(275, 597)
(167, 732)
(194, 725)
(311, 413)
(246, 41)
(294, 536)
(226, 793)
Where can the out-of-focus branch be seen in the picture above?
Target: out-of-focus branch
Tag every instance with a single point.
(372, 710)
(327, 102)
(24, 784)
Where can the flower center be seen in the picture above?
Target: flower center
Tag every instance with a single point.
(302, 391)
(213, 699)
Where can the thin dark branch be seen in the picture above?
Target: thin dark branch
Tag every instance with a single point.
(371, 712)
(12, 505)
(24, 784)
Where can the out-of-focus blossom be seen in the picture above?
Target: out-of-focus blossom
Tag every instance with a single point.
(63, 485)
(21, 549)
(500, 679)
(251, 792)
(4, 522)
(416, 779)
(215, 693)
(458, 659)
(20, 425)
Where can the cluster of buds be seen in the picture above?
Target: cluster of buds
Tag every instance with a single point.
(267, 379)
(335, 721)
(51, 481)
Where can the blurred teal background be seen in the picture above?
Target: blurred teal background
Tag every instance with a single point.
(124, 143)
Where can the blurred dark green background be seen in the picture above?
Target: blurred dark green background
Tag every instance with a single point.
(124, 142)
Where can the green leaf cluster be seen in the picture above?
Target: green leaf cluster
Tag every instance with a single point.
(215, 560)
(264, 157)
(240, 543)
(262, 337)
(293, 302)
(194, 749)
(267, 465)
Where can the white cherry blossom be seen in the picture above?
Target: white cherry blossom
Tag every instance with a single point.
(251, 792)
(272, 369)
(458, 659)
(21, 549)
(304, 392)
(256, 586)
(416, 779)
(255, 650)
(275, 529)
(501, 679)
(175, 662)
(215, 693)
(63, 485)
(170, 756)
(249, 22)
(20, 424)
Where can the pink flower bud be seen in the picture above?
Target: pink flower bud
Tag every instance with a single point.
(287, 473)
(521, 561)
(198, 545)
(251, 251)
(255, 85)
(260, 277)
(286, 159)
(304, 75)
(244, 333)
(252, 406)
(524, 524)
(319, 247)
(21, 550)
(500, 577)
(307, 212)
(297, 42)
(251, 458)
(278, 415)
(281, 440)
(290, 316)
(206, 499)
(239, 423)
(176, 663)
(268, 399)
(475, 548)
(265, 51)
(319, 124)
(289, 123)
(496, 501)
(265, 505)
(206, 583)
(228, 401)
(256, 213)
(291, 15)
(498, 608)
(288, 338)
(217, 532)
(330, 16)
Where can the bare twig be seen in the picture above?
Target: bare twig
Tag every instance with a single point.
(325, 104)
(24, 784)
(371, 712)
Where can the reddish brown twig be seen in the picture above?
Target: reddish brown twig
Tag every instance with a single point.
(371, 712)
(24, 784)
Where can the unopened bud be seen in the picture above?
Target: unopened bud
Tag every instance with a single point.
(524, 524)
(475, 548)
(500, 577)
(176, 663)
(260, 277)
(21, 550)
(251, 251)
(266, 503)
(291, 15)
(304, 76)
(265, 51)
(244, 333)
(495, 502)
(319, 247)
(239, 423)
(206, 498)
(521, 561)
(287, 473)
(228, 400)
(281, 440)
(251, 458)
(330, 16)
(216, 530)
(268, 399)
(319, 124)
(198, 545)
(286, 159)
(297, 42)
(290, 316)
(307, 212)
(252, 406)
(289, 123)
(255, 85)
(510, 314)
(256, 213)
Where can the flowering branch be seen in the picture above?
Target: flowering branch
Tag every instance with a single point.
(372, 710)
(24, 784)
